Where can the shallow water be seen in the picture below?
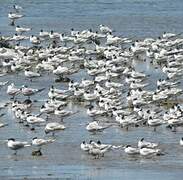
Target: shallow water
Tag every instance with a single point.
(134, 18)
(63, 159)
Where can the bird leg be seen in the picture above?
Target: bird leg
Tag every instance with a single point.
(32, 128)
(174, 129)
(12, 23)
(12, 98)
(26, 124)
(126, 128)
(15, 152)
(20, 121)
(154, 129)
(94, 132)
(39, 150)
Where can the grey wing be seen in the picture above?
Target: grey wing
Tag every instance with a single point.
(17, 145)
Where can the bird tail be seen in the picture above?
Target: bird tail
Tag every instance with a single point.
(116, 147)
(39, 114)
(75, 112)
(42, 89)
(106, 149)
(27, 145)
(107, 126)
(51, 140)
(2, 114)
(159, 152)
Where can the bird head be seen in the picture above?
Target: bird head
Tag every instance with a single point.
(11, 139)
(127, 146)
(99, 142)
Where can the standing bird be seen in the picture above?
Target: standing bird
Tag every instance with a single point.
(17, 8)
(97, 152)
(41, 142)
(13, 17)
(15, 145)
(12, 90)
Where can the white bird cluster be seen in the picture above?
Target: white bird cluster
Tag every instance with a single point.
(111, 84)
(145, 149)
(97, 149)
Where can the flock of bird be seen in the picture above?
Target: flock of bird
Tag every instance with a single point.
(112, 87)
(143, 148)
